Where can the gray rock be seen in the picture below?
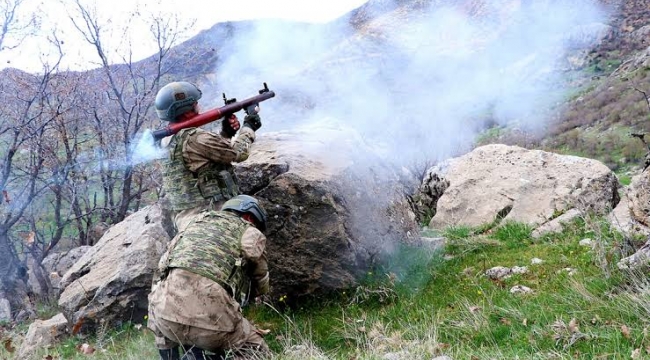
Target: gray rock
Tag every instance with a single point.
(640, 258)
(638, 195)
(512, 183)
(502, 272)
(518, 270)
(397, 355)
(111, 281)
(586, 242)
(556, 225)
(520, 289)
(61, 262)
(42, 334)
(331, 209)
(498, 273)
(57, 264)
(5, 310)
(621, 218)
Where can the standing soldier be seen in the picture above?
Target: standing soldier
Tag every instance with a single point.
(211, 269)
(198, 174)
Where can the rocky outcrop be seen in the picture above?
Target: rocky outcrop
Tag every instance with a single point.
(111, 281)
(638, 195)
(332, 209)
(57, 264)
(622, 220)
(499, 182)
(632, 216)
(425, 199)
(42, 334)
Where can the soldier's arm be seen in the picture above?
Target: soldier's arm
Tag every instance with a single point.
(205, 146)
(253, 245)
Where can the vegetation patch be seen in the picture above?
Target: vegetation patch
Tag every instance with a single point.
(425, 302)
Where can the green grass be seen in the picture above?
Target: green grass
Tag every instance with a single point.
(625, 179)
(423, 303)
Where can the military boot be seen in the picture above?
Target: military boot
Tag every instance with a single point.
(195, 353)
(168, 354)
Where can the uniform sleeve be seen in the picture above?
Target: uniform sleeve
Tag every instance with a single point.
(253, 246)
(204, 146)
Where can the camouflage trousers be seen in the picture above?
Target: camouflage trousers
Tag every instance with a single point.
(189, 310)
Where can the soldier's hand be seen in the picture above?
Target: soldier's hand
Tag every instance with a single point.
(253, 121)
(229, 126)
(252, 109)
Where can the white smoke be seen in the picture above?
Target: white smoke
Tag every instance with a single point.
(421, 82)
(145, 149)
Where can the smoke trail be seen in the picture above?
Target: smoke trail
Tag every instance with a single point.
(420, 79)
(144, 149)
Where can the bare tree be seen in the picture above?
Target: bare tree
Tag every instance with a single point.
(15, 27)
(25, 125)
(121, 106)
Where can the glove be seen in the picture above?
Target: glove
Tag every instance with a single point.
(253, 121)
(229, 126)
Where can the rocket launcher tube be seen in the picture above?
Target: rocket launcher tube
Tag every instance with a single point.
(214, 114)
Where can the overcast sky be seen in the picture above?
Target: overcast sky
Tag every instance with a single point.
(80, 56)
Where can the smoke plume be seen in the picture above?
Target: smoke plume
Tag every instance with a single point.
(420, 79)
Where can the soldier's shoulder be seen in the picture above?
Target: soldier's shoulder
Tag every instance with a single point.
(226, 215)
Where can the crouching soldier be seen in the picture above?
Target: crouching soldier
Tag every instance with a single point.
(210, 270)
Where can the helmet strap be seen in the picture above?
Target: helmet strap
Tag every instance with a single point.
(187, 115)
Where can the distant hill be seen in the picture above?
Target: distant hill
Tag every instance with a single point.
(321, 74)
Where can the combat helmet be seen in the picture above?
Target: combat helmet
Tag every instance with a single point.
(176, 98)
(247, 204)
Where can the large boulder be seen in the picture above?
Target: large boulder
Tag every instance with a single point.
(111, 281)
(333, 208)
(512, 183)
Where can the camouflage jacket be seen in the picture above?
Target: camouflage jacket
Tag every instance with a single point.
(199, 170)
(221, 246)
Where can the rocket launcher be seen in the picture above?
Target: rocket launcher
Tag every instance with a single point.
(231, 107)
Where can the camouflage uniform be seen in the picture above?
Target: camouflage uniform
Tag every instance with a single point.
(217, 257)
(198, 174)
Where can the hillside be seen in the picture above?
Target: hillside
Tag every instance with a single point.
(408, 82)
(607, 101)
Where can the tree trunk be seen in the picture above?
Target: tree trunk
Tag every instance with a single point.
(125, 196)
(38, 271)
(13, 276)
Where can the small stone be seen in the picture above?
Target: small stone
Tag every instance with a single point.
(586, 242)
(536, 261)
(396, 355)
(498, 273)
(520, 289)
(519, 270)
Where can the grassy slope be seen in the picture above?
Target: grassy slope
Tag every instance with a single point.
(425, 303)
